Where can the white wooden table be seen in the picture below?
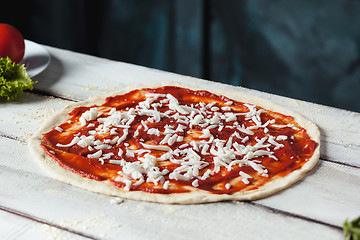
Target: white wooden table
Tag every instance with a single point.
(34, 206)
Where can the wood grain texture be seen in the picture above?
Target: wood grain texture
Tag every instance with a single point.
(19, 226)
(86, 76)
(94, 215)
(320, 203)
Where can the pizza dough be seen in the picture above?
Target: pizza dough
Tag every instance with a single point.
(52, 168)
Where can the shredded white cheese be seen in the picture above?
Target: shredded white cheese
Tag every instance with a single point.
(115, 127)
(89, 115)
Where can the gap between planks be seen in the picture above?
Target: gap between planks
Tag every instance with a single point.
(289, 214)
(38, 220)
(52, 94)
(15, 138)
(254, 203)
(274, 210)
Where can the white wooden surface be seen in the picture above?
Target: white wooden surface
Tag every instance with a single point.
(34, 206)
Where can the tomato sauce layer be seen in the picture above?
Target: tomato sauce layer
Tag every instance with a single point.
(176, 140)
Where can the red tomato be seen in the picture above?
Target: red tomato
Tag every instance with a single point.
(12, 43)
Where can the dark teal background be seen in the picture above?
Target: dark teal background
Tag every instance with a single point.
(308, 50)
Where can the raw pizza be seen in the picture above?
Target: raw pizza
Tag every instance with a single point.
(171, 143)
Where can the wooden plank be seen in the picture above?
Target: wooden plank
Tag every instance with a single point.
(22, 117)
(15, 225)
(326, 194)
(323, 197)
(86, 76)
(95, 215)
(329, 186)
(339, 128)
(24, 114)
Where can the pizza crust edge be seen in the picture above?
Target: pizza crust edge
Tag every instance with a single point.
(54, 170)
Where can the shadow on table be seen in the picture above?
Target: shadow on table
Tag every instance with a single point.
(50, 75)
(45, 79)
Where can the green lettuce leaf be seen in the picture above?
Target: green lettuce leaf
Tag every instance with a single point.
(13, 79)
(352, 229)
